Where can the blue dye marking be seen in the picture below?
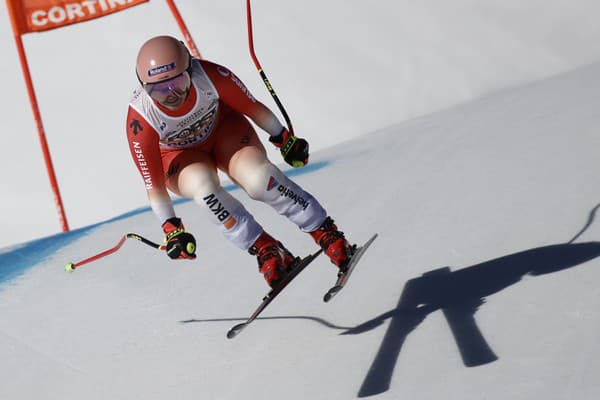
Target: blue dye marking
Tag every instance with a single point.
(14, 263)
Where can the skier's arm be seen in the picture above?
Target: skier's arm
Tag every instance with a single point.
(143, 145)
(236, 95)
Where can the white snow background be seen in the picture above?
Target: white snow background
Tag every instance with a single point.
(464, 133)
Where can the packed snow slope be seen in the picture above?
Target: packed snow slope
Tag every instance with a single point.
(483, 282)
(342, 68)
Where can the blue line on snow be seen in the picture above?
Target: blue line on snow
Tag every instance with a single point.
(15, 260)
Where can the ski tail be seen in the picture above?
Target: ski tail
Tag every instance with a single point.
(300, 264)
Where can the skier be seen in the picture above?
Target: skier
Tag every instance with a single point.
(186, 120)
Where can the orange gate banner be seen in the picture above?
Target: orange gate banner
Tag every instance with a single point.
(42, 15)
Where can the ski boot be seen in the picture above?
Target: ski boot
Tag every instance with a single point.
(333, 243)
(274, 260)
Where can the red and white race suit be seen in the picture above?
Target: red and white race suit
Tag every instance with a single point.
(182, 149)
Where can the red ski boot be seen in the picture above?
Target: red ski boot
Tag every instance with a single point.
(333, 243)
(274, 260)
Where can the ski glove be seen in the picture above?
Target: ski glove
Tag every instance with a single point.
(180, 244)
(294, 150)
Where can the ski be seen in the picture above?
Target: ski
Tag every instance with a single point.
(345, 275)
(300, 264)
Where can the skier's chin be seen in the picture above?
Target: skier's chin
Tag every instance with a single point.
(173, 102)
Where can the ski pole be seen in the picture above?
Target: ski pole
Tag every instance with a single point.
(262, 73)
(70, 267)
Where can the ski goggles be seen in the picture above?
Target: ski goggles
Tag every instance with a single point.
(178, 85)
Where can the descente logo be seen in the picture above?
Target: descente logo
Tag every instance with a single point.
(61, 13)
(272, 184)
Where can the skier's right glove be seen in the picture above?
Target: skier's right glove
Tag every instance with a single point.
(294, 150)
(180, 244)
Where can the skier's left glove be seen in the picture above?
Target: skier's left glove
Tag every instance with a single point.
(294, 150)
(180, 244)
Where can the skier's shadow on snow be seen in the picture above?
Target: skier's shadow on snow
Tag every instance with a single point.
(459, 294)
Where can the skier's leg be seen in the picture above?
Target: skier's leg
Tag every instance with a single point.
(242, 156)
(270, 185)
(193, 175)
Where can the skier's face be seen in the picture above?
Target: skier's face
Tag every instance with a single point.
(172, 92)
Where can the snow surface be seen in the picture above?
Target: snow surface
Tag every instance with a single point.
(481, 284)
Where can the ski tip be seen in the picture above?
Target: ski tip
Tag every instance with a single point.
(235, 330)
(69, 267)
(375, 236)
(332, 292)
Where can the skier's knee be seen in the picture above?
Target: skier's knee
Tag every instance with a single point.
(193, 186)
(259, 184)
